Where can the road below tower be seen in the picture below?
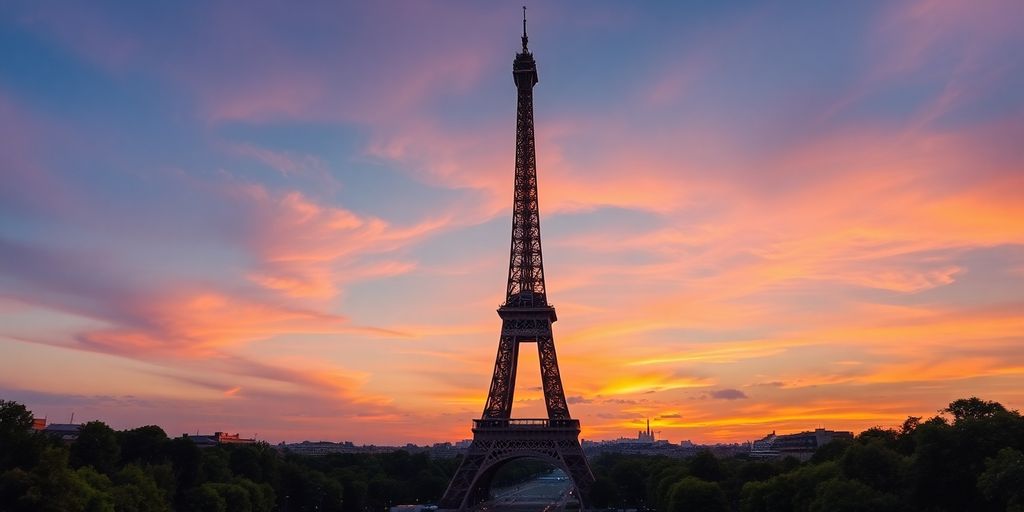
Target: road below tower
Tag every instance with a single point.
(545, 493)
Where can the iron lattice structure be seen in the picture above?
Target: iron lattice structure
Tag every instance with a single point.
(526, 318)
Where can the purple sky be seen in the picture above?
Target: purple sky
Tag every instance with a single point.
(293, 219)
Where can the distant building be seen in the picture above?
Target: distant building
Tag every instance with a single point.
(764, 445)
(224, 438)
(217, 438)
(38, 424)
(661, 447)
(67, 432)
(318, 447)
(800, 445)
(645, 443)
(446, 451)
(723, 450)
(645, 436)
(642, 437)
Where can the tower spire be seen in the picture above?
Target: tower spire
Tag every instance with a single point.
(525, 39)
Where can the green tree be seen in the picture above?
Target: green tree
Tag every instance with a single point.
(886, 436)
(662, 484)
(905, 437)
(910, 425)
(186, 459)
(629, 476)
(875, 465)
(143, 444)
(19, 447)
(99, 497)
(236, 497)
(1003, 480)
(15, 421)
(693, 494)
(96, 446)
(790, 463)
(56, 488)
(215, 466)
(14, 483)
(386, 491)
(948, 458)
(604, 493)
(203, 498)
(755, 471)
(245, 461)
(427, 484)
(973, 408)
(794, 490)
(308, 489)
(136, 490)
(260, 495)
(356, 493)
(934, 471)
(163, 477)
(774, 495)
(705, 466)
(842, 495)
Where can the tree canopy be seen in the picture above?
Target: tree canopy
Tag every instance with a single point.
(968, 457)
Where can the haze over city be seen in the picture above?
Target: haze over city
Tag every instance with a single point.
(292, 221)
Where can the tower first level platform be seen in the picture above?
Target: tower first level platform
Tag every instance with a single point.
(498, 442)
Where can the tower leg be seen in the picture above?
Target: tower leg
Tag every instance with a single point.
(457, 497)
(503, 382)
(554, 394)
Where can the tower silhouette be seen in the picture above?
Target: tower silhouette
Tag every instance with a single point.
(526, 317)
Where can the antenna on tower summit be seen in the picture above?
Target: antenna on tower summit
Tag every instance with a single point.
(525, 39)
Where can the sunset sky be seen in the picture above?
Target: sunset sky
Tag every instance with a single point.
(291, 220)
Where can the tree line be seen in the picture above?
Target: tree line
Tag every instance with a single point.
(968, 457)
(142, 470)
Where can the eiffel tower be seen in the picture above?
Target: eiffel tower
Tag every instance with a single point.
(526, 317)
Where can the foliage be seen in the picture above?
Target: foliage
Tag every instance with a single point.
(15, 422)
(969, 457)
(692, 493)
(18, 447)
(973, 408)
(143, 444)
(1003, 479)
(96, 446)
(142, 470)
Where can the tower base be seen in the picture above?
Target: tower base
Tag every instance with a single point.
(499, 441)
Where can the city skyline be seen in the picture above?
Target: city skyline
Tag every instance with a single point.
(293, 222)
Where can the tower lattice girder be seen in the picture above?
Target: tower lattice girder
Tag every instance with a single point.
(526, 318)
